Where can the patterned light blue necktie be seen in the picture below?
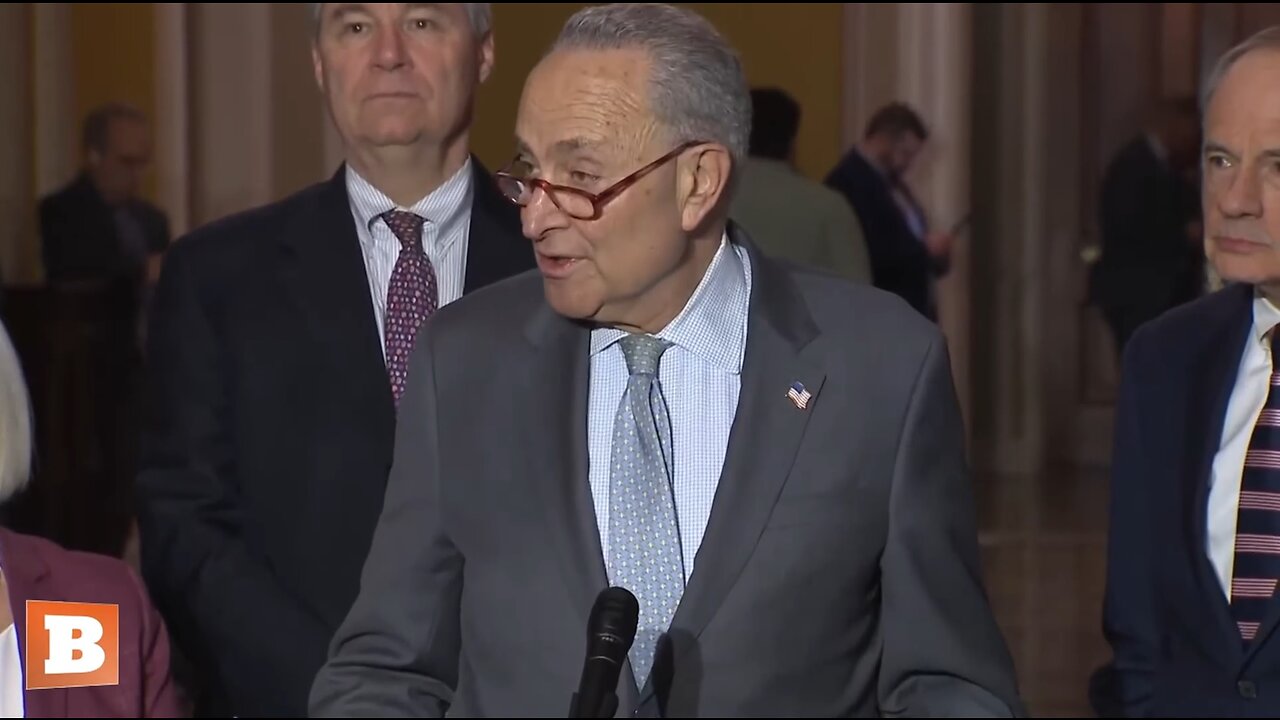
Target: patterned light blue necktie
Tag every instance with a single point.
(644, 542)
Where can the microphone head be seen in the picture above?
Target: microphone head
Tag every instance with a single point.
(613, 622)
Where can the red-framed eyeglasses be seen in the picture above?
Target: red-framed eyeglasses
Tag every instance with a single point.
(517, 187)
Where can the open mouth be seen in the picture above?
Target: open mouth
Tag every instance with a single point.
(556, 265)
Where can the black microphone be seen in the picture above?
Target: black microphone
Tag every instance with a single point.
(610, 632)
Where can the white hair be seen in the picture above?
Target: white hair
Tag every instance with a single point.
(15, 422)
(697, 87)
(480, 15)
(1266, 39)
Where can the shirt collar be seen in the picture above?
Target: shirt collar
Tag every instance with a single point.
(713, 323)
(446, 206)
(1265, 317)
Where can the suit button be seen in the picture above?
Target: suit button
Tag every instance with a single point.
(1247, 689)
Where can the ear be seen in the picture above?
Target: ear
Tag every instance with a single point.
(704, 179)
(486, 56)
(317, 64)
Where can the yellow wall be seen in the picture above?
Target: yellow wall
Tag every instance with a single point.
(795, 47)
(114, 58)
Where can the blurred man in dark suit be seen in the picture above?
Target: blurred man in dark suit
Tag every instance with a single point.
(279, 348)
(102, 244)
(99, 228)
(906, 256)
(1151, 256)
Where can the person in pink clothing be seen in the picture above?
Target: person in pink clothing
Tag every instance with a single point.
(32, 568)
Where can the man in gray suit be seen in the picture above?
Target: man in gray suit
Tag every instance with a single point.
(770, 459)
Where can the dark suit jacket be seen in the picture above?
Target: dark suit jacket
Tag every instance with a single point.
(838, 575)
(36, 569)
(269, 434)
(81, 240)
(900, 262)
(1148, 265)
(1177, 652)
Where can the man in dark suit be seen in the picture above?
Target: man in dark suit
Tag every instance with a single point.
(102, 244)
(1191, 611)
(906, 256)
(97, 228)
(1151, 257)
(770, 459)
(279, 347)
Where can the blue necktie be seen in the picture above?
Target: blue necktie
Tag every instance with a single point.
(1257, 551)
(644, 542)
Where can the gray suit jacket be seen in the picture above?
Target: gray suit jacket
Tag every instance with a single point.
(838, 575)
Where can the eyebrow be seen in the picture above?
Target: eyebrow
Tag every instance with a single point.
(562, 148)
(1215, 147)
(575, 144)
(341, 11)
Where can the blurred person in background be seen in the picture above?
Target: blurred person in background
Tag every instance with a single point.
(906, 255)
(788, 215)
(1152, 256)
(33, 568)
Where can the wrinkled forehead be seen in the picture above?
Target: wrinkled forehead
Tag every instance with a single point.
(587, 101)
(1248, 99)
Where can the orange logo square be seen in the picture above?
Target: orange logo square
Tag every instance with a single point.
(72, 644)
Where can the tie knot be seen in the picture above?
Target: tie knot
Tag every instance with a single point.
(642, 353)
(407, 227)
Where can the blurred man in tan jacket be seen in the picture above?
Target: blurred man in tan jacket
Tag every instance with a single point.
(788, 215)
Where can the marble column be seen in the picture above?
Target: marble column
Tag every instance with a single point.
(231, 108)
(19, 248)
(173, 115)
(256, 127)
(57, 136)
(919, 53)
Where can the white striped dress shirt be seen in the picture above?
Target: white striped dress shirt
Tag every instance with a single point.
(701, 377)
(445, 235)
(1253, 381)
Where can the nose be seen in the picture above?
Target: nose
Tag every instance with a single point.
(540, 215)
(1242, 197)
(389, 50)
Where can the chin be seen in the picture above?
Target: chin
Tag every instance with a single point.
(394, 139)
(1237, 270)
(570, 302)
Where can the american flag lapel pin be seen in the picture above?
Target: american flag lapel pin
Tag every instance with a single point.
(798, 395)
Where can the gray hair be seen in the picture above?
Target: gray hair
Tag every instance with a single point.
(1267, 39)
(697, 87)
(480, 15)
(15, 422)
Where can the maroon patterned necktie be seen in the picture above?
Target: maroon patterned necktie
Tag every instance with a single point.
(411, 297)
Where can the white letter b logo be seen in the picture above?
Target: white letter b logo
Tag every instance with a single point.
(73, 645)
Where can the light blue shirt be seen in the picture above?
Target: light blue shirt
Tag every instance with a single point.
(701, 377)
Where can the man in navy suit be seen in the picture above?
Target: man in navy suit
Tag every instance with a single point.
(906, 254)
(1191, 610)
(278, 351)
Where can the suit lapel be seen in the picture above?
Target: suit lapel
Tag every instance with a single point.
(495, 249)
(25, 574)
(324, 275)
(1213, 379)
(763, 442)
(554, 411)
